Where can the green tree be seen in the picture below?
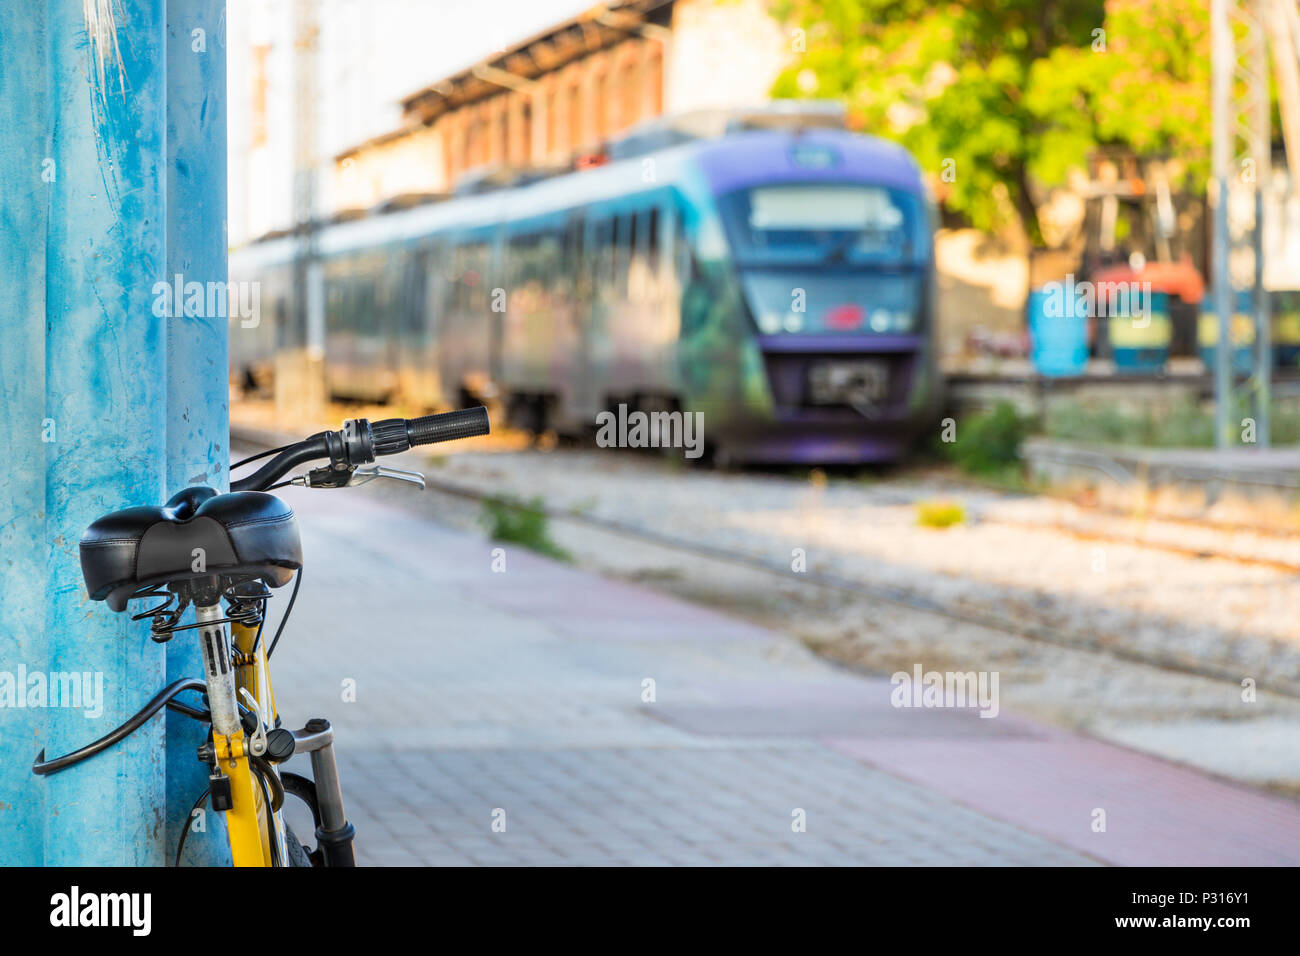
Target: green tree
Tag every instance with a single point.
(1148, 90)
(993, 97)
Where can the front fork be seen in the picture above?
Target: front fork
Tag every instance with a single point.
(236, 789)
(333, 832)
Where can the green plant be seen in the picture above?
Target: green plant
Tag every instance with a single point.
(988, 444)
(521, 522)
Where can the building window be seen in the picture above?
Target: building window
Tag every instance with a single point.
(600, 105)
(526, 139)
(576, 136)
(631, 91)
(550, 144)
(654, 78)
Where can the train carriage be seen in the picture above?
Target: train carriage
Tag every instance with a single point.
(778, 281)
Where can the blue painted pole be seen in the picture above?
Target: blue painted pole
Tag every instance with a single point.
(26, 175)
(105, 402)
(104, 351)
(198, 423)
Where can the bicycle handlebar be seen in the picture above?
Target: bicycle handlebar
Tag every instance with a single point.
(360, 441)
(393, 435)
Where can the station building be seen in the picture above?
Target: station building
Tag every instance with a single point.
(548, 100)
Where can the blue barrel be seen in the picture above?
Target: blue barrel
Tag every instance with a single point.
(1058, 329)
(1138, 326)
(1286, 328)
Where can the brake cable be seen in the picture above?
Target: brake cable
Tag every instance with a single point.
(185, 830)
(297, 580)
(262, 454)
(162, 699)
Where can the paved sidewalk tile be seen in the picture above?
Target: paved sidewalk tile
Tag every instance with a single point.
(490, 718)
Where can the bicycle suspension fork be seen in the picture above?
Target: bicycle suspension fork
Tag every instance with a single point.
(333, 832)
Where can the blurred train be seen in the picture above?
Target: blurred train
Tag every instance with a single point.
(777, 279)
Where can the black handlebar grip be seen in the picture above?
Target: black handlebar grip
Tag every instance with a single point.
(465, 423)
(394, 435)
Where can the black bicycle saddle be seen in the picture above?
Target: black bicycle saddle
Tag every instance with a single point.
(244, 532)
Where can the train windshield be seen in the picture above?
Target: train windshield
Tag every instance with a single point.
(815, 222)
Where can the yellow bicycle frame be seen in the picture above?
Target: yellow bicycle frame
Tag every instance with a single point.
(250, 837)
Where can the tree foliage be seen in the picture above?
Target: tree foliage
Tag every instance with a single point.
(997, 95)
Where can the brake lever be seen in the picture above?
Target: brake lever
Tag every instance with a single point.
(363, 475)
(350, 478)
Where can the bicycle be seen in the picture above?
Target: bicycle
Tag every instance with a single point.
(203, 548)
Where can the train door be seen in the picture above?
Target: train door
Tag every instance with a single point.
(597, 351)
(413, 353)
(438, 289)
(577, 387)
(494, 278)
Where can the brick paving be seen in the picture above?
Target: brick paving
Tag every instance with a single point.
(522, 692)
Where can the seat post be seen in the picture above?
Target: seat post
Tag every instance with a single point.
(217, 669)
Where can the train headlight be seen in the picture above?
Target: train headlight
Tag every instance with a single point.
(769, 323)
(793, 321)
(891, 320)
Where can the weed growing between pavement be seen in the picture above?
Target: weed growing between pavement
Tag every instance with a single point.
(523, 523)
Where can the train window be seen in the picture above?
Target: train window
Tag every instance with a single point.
(652, 241)
(573, 233)
(281, 323)
(413, 294)
(464, 277)
(551, 263)
(624, 244)
(687, 269)
(475, 277)
(825, 221)
(603, 249)
(638, 273)
(529, 267)
(617, 238)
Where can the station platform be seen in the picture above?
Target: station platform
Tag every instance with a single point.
(605, 723)
(1233, 488)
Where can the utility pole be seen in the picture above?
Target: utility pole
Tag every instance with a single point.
(112, 397)
(198, 389)
(309, 318)
(1242, 159)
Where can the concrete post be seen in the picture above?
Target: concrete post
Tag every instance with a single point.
(103, 392)
(198, 422)
(28, 176)
(91, 379)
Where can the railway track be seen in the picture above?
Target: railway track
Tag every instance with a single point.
(897, 596)
(1021, 626)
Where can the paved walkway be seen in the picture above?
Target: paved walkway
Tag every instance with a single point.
(478, 692)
